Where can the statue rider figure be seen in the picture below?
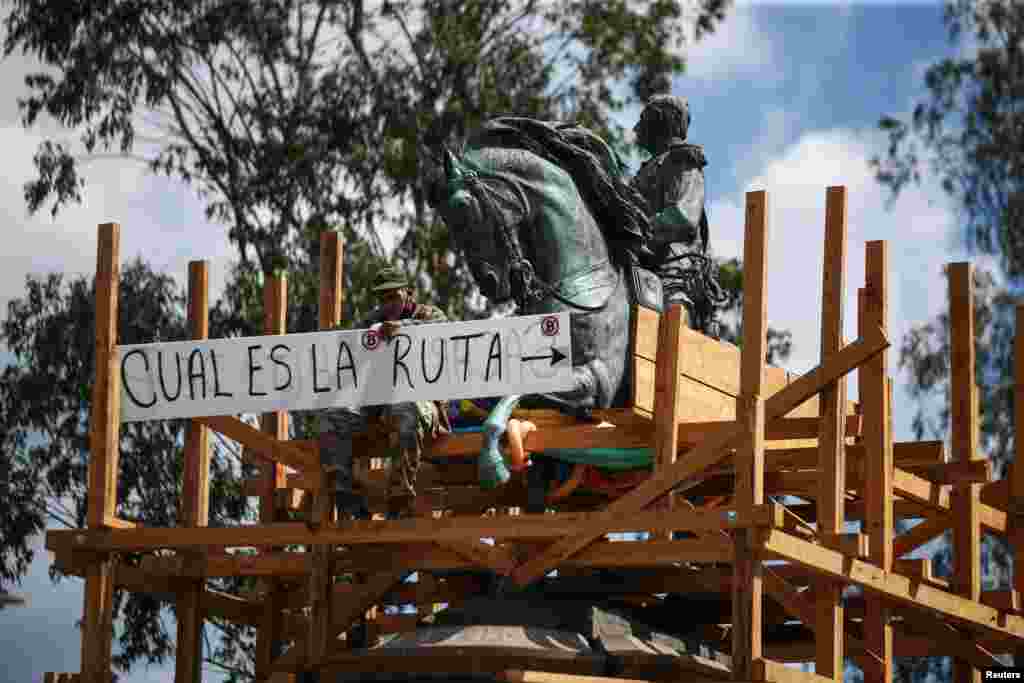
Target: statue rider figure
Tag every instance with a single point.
(672, 183)
(417, 422)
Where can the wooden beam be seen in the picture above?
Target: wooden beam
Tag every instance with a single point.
(706, 454)
(768, 670)
(667, 415)
(955, 642)
(320, 580)
(777, 429)
(266, 447)
(878, 480)
(917, 457)
(520, 676)
(920, 534)
(828, 620)
(920, 569)
(269, 637)
(348, 607)
(963, 415)
(195, 493)
(612, 554)
(104, 439)
(1004, 600)
(894, 588)
(748, 588)
(414, 530)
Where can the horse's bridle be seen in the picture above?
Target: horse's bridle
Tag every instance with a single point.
(531, 289)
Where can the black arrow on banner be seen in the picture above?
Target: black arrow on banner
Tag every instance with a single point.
(555, 356)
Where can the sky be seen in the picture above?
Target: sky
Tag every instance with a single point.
(784, 98)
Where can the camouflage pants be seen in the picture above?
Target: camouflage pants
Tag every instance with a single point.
(412, 422)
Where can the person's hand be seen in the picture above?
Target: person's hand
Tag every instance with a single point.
(389, 328)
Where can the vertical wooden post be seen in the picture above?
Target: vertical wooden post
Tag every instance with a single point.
(828, 627)
(666, 387)
(1017, 470)
(747, 588)
(966, 498)
(272, 477)
(331, 264)
(104, 442)
(195, 492)
(878, 464)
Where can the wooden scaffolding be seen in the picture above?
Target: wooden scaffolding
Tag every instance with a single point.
(733, 439)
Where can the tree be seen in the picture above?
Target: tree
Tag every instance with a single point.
(293, 116)
(289, 118)
(968, 133)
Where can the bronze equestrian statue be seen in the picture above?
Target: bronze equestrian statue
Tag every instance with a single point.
(547, 218)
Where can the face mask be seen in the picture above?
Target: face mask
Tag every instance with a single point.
(393, 311)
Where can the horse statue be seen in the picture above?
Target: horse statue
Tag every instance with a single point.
(546, 219)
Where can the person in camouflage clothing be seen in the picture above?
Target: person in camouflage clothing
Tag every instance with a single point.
(415, 422)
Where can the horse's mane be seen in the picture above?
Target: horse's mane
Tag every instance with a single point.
(620, 211)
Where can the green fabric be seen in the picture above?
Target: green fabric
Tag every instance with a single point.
(606, 458)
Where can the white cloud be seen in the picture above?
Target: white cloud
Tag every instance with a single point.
(161, 219)
(917, 229)
(737, 47)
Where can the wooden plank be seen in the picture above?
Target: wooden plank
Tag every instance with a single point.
(195, 493)
(269, 636)
(802, 606)
(955, 642)
(667, 381)
(519, 676)
(963, 415)
(708, 362)
(414, 530)
(264, 446)
(97, 631)
(104, 437)
(320, 580)
(709, 452)
(611, 554)
(747, 594)
(906, 455)
(829, 620)
(348, 607)
(768, 670)
(893, 587)
(919, 569)
(777, 429)
(878, 482)
(105, 416)
(748, 588)
(920, 534)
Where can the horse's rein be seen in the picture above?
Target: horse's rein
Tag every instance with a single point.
(531, 287)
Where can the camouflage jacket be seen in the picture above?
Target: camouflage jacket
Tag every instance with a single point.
(673, 185)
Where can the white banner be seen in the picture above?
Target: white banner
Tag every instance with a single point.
(318, 370)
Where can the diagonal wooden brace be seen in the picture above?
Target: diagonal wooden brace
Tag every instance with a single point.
(706, 454)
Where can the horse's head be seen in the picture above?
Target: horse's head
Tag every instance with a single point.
(483, 213)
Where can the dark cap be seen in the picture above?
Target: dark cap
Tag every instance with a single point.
(389, 278)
